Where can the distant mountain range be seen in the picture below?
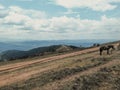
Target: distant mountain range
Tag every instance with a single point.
(40, 51)
(26, 45)
(19, 50)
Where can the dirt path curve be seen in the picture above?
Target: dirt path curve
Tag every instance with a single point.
(59, 83)
(8, 79)
(27, 63)
(26, 75)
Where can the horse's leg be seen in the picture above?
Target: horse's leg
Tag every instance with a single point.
(100, 52)
(108, 51)
(111, 51)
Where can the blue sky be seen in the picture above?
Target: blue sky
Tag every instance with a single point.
(22, 20)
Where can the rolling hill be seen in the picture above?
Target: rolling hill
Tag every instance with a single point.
(40, 51)
(77, 70)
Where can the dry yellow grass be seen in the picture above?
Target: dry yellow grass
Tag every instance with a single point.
(56, 70)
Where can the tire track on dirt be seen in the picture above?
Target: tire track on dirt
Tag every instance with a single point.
(59, 83)
(12, 78)
(27, 75)
(27, 63)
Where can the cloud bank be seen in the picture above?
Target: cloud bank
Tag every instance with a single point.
(17, 23)
(97, 5)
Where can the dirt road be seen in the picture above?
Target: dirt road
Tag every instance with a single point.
(56, 85)
(11, 73)
(11, 78)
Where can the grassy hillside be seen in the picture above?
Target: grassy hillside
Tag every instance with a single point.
(79, 70)
(40, 51)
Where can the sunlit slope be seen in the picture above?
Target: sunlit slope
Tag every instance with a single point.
(79, 70)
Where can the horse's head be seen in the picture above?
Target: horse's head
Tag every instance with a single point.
(111, 46)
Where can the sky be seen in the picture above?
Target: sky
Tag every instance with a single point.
(22, 20)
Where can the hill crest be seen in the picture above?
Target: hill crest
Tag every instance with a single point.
(40, 51)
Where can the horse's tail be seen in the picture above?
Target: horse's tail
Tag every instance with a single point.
(100, 49)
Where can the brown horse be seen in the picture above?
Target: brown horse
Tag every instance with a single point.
(107, 48)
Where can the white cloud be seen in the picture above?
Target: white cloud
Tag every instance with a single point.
(17, 16)
(31, 13)
(18, 24)
(3, 13)
(1, 7)
(97, 5)
(71, 12)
